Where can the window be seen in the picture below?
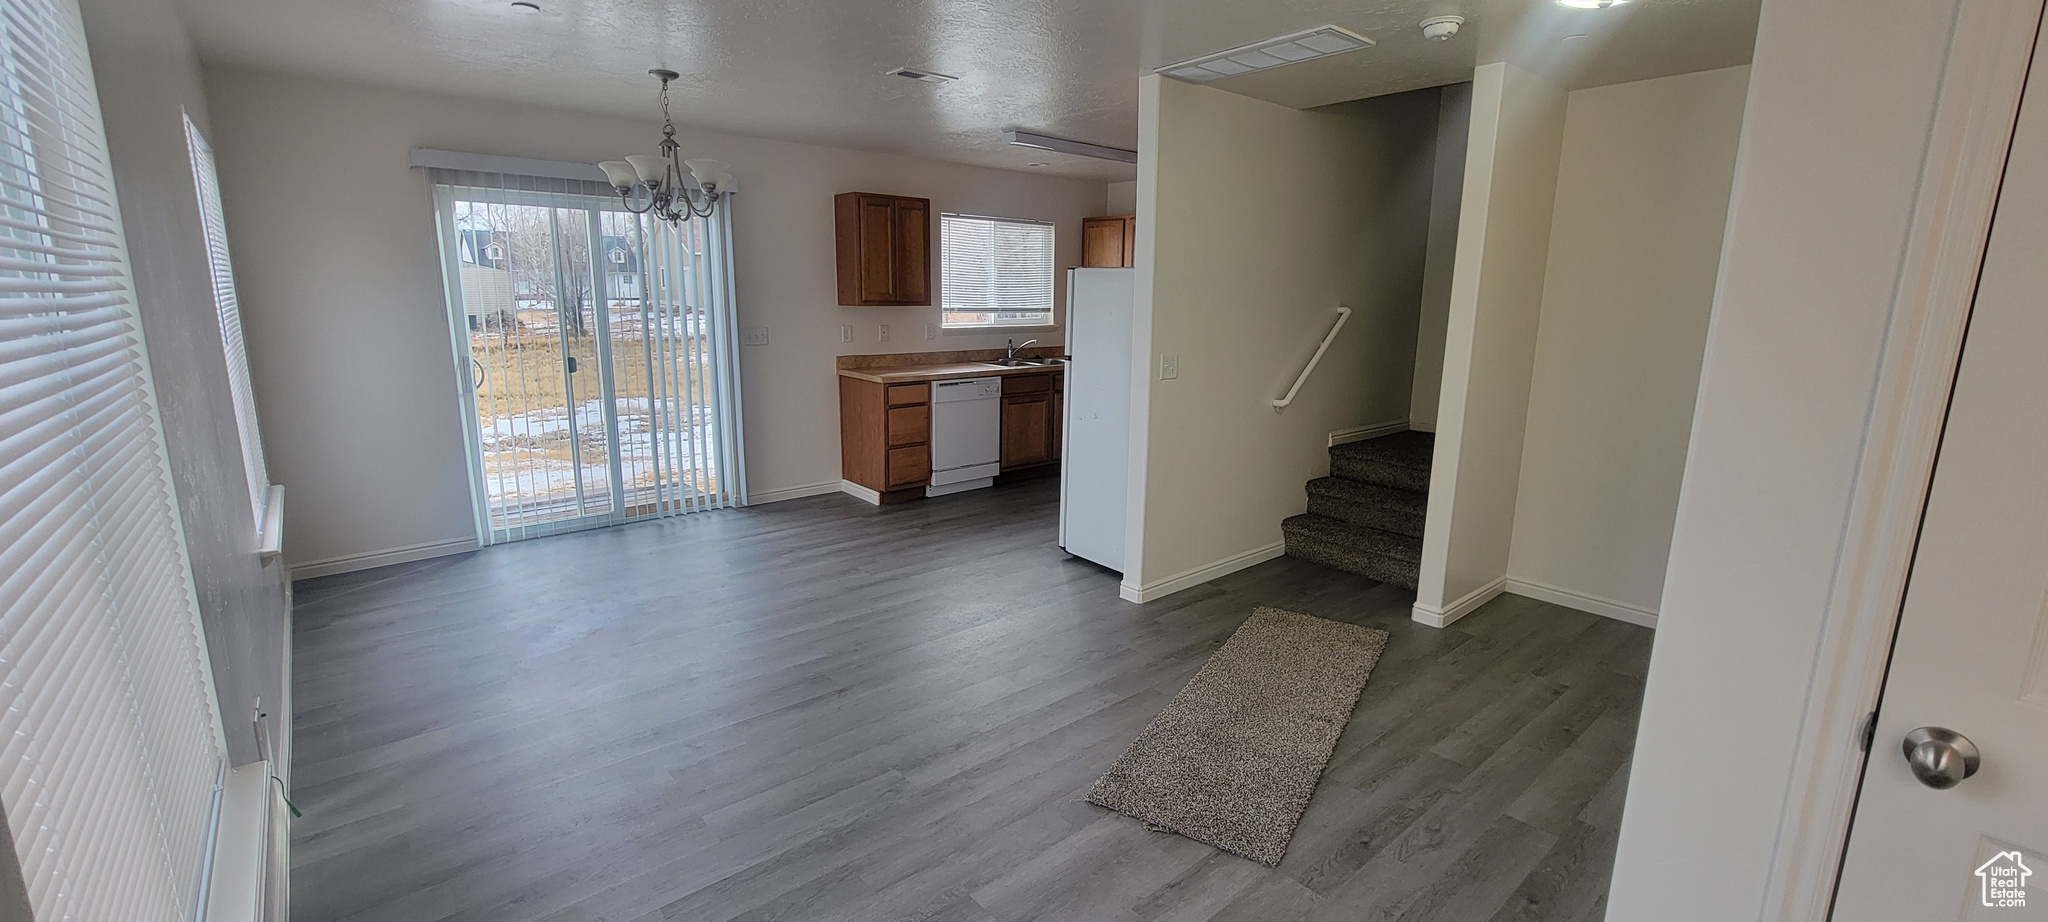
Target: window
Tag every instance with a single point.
(113, 747)
(994, 272)
(229, 311)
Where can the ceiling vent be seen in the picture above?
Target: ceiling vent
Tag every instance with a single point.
(1273, 52)
(922, 76)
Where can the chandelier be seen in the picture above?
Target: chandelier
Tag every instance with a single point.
(655, 184)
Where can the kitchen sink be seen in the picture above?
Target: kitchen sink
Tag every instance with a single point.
(1023, 363)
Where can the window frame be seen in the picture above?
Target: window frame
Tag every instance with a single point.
(227, 306)
(1050, 319)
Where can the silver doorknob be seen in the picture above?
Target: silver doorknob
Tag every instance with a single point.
(1940, 757)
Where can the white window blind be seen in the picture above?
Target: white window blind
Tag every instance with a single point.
(228, 309)
(110, 750)
(994, 272)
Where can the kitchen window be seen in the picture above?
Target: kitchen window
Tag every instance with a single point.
(994, 272)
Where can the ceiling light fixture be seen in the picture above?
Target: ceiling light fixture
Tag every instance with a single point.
(526, 6)
(648, 183)
(921, 76)
(1590, 4)
(1066, 146)
(1273, 52)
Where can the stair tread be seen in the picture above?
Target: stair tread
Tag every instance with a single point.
(1359, 491)
(1410, 449)
(1361, 538)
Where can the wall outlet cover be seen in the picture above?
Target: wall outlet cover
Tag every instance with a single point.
(846, 332)
(753, 336)
(1169, 367)
(931, 332)
(883, 334)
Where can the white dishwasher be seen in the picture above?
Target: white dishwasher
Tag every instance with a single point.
(967, 440)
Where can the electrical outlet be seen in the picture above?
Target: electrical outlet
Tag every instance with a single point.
(753, 336)
(883, 335)
(931, 332)
(1169, 367)
(846, 332)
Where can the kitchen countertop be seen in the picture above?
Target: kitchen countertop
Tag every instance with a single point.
(905, 374)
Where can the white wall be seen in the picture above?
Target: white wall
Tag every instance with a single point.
(1511, 164)
(1242, 287)
(1454, 126)
(1839, 109)
(341, 281)
(1635, 242)
(1123, 197)
(149, 78)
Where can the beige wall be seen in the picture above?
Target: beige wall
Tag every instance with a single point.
(1123, 198)
(336, 238)
(1635, 241)
(1517, 128)
(1454, 126)
(1240, 283)
(1836, 130)
(149, 77)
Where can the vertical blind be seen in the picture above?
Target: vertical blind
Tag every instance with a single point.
(995, 271)
(228, 309)
(595, 351)
(110, 750)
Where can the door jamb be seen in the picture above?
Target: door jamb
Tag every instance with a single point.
(1978, 103)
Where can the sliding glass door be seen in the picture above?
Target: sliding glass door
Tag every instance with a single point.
(596, 346)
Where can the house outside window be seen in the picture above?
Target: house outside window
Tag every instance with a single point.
(994, 272)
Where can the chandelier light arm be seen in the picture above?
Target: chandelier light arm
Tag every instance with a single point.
(663, 191)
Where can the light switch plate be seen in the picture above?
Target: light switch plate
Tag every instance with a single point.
(883, 335)
(1169, 367)
(931, 332)
(753, 336)
(846, 332)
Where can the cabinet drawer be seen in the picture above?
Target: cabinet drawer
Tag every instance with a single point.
(909, 425)
(1026, 384)
(904, 394)
(909, 467)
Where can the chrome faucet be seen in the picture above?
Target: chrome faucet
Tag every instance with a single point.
(1012, 356)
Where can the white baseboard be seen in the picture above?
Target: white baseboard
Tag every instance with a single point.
(1580, 601)
(1361, 433)
(1199, 575)
(859, 492)
(763, 497)
(1419, 426)
(349, 563)
(1442, 617)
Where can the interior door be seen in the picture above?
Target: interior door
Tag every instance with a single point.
(1967, 689)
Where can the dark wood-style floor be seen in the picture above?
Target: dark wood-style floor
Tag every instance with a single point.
(818, 710)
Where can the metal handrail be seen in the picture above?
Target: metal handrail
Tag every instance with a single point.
(1343, 314)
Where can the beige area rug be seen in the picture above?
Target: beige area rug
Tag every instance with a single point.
(1233, 760)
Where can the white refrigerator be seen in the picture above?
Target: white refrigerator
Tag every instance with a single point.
(1096, 444)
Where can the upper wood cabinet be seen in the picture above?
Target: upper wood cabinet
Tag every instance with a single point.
(1109, 242)
(884, 249)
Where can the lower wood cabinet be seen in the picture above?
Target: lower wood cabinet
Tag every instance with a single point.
(1031, 421)
(885, 432)
(885, 437)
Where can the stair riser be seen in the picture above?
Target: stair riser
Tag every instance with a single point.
(1371, 566)
(1367, 470)
(1399, 521)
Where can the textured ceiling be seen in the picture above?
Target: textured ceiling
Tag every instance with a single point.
(812, 70)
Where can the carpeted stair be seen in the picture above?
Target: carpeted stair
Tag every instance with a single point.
(1366, 517)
